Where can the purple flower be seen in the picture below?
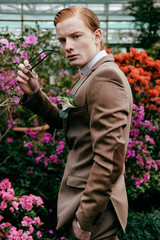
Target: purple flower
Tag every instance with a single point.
(30, 39)
(10, 123)
(30, 153)
(24, 55)
(134, 133)
(12, 46)
(68, 91)
(146, 177)
(43, 55)
(36, 123)
(16, 60)
(16, 100)
(138, 182)
(38, 159)
(9, 140)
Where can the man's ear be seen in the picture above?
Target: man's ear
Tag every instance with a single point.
(98, 35)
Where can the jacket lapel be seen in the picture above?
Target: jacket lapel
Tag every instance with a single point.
(108, 58)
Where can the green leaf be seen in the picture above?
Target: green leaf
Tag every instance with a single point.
(63, 114)
(71, 96)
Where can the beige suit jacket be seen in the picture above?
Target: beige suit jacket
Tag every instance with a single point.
(97, 133)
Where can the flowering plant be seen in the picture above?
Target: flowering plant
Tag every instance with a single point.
(142, 157)
(65, 104)
(143, 74)
(18, 218)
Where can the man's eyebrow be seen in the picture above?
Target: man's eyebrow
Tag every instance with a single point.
(72, 34)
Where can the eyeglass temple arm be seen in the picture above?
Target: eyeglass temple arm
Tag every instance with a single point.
(50, 51)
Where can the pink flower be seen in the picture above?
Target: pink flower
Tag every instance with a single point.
(30, 153)
(5, 42)
(1, 217)
(11, 209)
(16, 60)
(39, 234)
(24, 55)
(3, 205)
(155, 166)
(36, 221)
(9, 140)
(38, 159)
(60, 147)
(10, 123)
(16, 100)
(54, 99)
(138, 182)
(2, 49)
(12, 46)
(43, 55)
(27, 221)
(51, 231)
(30, 172)
(31, 133)
(29, 145)
(5, 183)
(31, 229)
(36, 123)
(146, 177)
(15, 205)
(68, 91)
(30, 39)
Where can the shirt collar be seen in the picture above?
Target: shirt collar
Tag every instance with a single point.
(89, 65)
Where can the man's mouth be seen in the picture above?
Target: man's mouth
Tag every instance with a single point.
(72, 57)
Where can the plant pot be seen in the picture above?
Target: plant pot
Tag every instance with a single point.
(42, 130)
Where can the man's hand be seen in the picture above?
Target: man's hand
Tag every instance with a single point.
(27, 80)
(80, 234)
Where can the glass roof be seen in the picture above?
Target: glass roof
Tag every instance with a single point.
(116, 24)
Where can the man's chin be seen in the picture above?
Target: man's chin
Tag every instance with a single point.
(74, 64)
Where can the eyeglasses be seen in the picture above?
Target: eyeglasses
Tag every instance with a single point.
(47, 50)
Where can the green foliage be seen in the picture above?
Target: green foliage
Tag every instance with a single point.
(154, 51)
(147, 17)
(142, 226)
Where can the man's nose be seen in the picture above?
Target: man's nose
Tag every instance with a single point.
(69, 44)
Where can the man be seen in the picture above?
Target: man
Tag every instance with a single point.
(92, 198)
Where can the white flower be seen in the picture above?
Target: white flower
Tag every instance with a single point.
(66, 103)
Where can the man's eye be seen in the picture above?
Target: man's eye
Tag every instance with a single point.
(76, 36)
(62, 40)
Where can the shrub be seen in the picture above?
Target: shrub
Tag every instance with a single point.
(143, 74)
(142, 157)
(142, 226)
(18, 215)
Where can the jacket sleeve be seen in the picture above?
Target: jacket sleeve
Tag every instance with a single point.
(108, 108)
(40, 104)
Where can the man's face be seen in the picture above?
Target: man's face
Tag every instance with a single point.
(78, 42)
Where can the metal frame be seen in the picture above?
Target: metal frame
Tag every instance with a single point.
(25, 8)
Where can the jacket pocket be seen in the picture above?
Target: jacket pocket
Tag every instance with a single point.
(76, 181)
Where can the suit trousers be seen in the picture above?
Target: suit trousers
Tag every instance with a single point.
(106, 228)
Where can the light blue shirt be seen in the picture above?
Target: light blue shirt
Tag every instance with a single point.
(89, 65)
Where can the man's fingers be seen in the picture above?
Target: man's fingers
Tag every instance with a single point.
(20, 80)
(22, 75)
(23, 68)
(26, 64)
